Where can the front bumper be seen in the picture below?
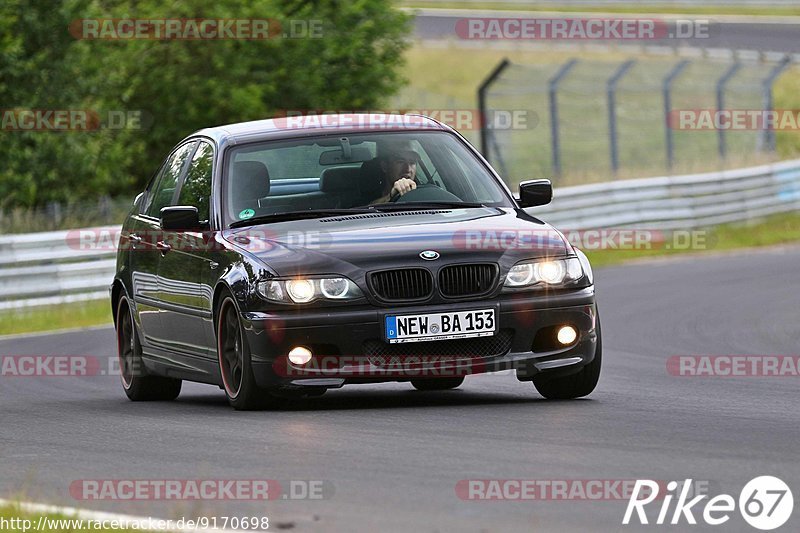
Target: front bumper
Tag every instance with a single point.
(338, 338)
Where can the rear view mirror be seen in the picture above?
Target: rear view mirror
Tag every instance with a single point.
(358, 154)
(535, 192)
(180, 218)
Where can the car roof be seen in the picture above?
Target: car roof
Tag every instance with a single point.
(307, 125)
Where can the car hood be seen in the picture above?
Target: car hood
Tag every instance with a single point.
(354, 244)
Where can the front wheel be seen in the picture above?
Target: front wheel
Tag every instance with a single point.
(574, 385)
(139, 387)
(234, 363)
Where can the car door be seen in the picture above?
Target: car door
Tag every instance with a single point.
(184, 271)
(144, 238)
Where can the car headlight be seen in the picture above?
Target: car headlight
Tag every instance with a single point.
(300, 290)
(549, 272)
(304, 290)
(587, 267)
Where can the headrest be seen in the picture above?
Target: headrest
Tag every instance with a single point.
(250, 182)
(370, 179)
(339, 179)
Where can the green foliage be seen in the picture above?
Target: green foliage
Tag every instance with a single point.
(178, 86)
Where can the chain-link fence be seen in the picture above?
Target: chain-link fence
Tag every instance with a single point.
(601, 120)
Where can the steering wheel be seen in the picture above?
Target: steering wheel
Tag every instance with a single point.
(426, 192)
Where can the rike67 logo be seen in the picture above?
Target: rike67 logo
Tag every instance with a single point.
(765, 502)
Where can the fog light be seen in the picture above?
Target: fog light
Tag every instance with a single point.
(299, 355)
(567, 335)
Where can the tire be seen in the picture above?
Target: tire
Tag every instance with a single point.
(437, 384)
(138, 385)
(233, 355)
(575, 385)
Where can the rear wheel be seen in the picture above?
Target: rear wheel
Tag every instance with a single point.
(137, 384)
(234, 363)
(437, 384)
(575, 385)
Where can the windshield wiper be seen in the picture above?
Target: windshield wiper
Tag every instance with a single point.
(423, 205)
(296, 215)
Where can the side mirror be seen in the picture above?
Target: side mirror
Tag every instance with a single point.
(535, 192)
(180, 218)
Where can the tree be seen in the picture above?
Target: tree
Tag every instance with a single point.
(341, 55)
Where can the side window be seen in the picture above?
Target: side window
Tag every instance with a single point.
(196, 189)
(161, 195)
(151, 189)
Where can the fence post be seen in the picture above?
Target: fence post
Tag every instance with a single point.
(104, 207)
(482, 90)
(667, 89)
(55, 213)
(552, 91)
(768, 142)
(723, 80)
(500, 165)
(611, 88)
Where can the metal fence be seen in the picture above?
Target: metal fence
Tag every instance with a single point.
(53, 267)
(600, 119)
(679, 202)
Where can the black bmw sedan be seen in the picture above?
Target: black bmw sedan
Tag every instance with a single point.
(281, 258)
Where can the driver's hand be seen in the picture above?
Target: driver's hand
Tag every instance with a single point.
(402, 186)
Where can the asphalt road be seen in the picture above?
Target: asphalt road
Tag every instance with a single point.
(390, 456)
(763, 36)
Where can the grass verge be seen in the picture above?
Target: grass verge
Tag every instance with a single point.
(666, 9)
(71, 315)
(773, 230)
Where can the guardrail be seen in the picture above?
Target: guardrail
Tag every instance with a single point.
(54, 267)
(678, 202)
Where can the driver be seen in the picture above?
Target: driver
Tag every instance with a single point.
(399, 167)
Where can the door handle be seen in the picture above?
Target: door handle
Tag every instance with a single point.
(134, 239)
(163, 247)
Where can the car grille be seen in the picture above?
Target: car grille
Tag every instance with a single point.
(379, 352)
(466, 280)
(402, 284)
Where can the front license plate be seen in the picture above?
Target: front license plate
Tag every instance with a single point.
(440, 326)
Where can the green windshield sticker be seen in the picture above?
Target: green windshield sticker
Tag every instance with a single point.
(246, 213)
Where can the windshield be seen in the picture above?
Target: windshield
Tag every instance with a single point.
(344, 172)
